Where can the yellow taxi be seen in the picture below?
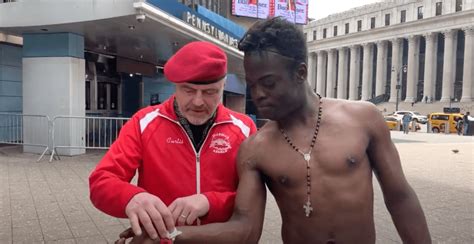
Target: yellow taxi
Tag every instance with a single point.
(392, 123)
(438, 122)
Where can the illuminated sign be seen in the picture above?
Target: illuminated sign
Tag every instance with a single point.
(295, 11)
(210, 29)
(251, 8)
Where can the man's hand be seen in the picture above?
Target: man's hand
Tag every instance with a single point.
(152, 213)
(186, 210)
(126, 234)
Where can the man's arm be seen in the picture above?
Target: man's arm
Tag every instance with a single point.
(112, 193)
(246, 223)
(400, 199)
(110, 188)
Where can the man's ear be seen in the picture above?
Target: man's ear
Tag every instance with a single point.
(301, 73)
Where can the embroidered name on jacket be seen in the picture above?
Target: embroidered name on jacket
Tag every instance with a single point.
(220, 143)
(170, 140)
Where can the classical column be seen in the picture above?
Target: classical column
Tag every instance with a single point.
(354, 73)
(430, 66)
(449, 69)
(342, 76)
(311, 70)
(381, 75)
(321, 78)
(468, 77)
(397, 52)
(412, 71)
(367, 72)
(331, 73)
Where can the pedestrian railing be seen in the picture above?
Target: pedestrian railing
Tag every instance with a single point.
(72, 133)
(27, 130)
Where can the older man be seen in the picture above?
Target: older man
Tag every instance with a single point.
(183, 149)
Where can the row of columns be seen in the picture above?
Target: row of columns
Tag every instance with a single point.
(325, 79)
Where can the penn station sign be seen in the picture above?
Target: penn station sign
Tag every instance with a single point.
(209, 29)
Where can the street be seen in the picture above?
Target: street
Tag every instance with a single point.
(49, 202)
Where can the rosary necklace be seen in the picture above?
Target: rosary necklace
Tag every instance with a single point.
(307, 157)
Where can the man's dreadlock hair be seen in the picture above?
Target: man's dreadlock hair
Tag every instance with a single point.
(276, 35)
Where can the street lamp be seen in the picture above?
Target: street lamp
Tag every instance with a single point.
(398, 86)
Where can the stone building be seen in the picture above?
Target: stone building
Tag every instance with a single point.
(422, 48)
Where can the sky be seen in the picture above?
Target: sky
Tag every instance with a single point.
(319, 9)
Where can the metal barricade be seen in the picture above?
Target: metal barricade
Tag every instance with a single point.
(31, 131)
(71, 135)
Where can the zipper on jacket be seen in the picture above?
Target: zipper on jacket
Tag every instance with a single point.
(197, 154)
(198, 176)
(198, 172)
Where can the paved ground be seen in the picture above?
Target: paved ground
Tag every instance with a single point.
(48, 202)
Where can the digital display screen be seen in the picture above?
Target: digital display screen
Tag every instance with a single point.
(295, 11)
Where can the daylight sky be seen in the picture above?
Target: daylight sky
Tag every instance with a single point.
(321, 8)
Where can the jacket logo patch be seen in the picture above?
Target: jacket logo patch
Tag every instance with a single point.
(170, 140)
(220, 143)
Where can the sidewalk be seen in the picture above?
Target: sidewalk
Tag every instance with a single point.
(49, 202)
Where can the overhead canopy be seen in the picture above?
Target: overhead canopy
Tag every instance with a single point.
(111, 27)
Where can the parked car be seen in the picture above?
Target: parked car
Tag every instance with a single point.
(438, 122)
(415, 116)
(392, 123)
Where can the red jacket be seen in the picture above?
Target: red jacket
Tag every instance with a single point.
(155, 144)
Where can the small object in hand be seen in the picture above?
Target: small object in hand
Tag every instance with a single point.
(455, 150)
(174, 234)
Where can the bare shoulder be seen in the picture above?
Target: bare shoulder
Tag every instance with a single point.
(254, 147)
(264, 135)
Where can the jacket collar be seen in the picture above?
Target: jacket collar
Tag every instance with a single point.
(167, 109)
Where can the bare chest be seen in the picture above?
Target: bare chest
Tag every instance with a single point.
(333, 156)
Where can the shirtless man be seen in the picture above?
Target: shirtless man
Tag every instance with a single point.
(316, 156)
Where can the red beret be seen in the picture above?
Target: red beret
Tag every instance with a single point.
(197, 62)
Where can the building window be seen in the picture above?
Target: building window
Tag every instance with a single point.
(420, 12)
(372, 22)
(439, 8)
(403, 16)
(222, 9)
(88, 95)
(314, 35)
(107, 96)
(335, 31)
(325, 30)
(359, 25)
(387, 19)
(213, 6)
(102, 96)
(305, 36)
(113, 96)
(458, 5)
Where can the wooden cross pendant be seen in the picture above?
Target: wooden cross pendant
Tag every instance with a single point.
(307, 208)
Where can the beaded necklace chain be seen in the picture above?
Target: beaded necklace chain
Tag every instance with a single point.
(307, 157)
